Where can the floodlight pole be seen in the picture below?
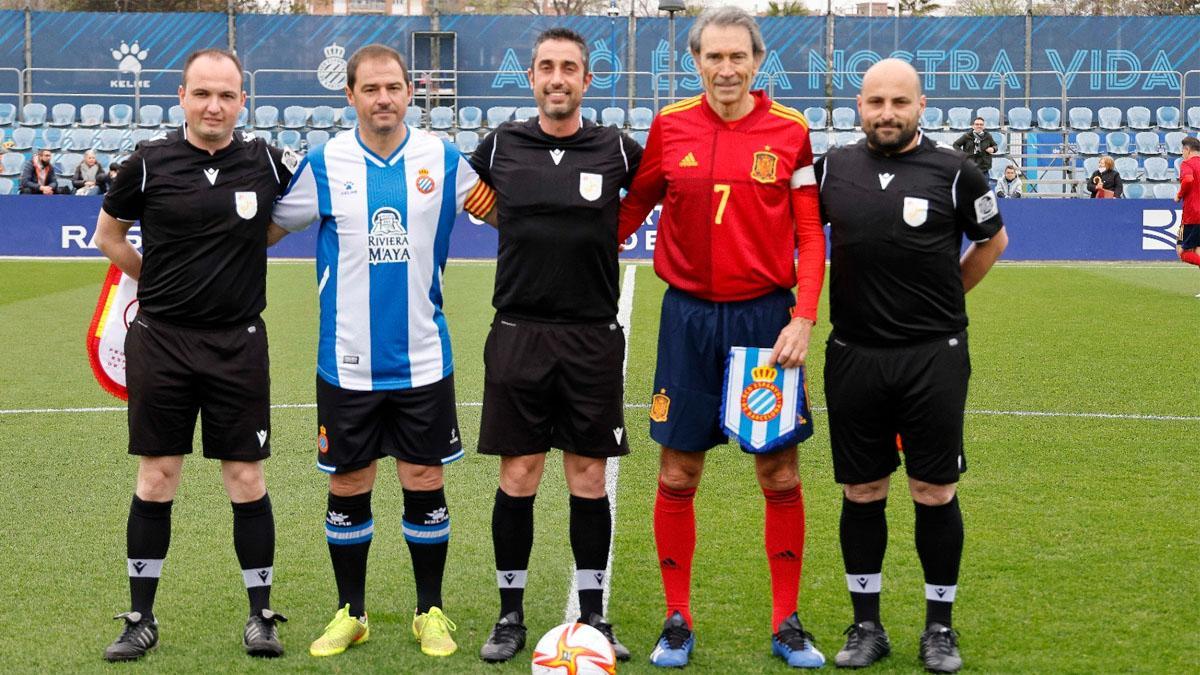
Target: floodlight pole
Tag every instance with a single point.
(670, 7)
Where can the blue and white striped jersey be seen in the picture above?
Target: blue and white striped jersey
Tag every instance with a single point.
(381, 251)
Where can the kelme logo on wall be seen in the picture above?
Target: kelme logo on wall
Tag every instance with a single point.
(332, 71)
(1160, 229)
(129, 62)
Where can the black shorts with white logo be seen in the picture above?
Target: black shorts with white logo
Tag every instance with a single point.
(884, 402)
(355, 428)
(553, 385)
(174, 373)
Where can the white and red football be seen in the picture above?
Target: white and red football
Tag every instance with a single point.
(574, 649)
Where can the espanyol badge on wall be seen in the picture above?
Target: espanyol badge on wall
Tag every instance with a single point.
(246, 203)
(765, 407)
(590, 186)
(915, 211)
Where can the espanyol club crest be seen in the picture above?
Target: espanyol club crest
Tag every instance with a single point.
(590, 186)
(246, 203)
(425, 182)
(764, 407)
(916, 210)
(332, 71)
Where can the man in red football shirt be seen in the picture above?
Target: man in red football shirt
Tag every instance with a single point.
(1189, 194)
(734, 173)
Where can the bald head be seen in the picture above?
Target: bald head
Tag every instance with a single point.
(890, 106)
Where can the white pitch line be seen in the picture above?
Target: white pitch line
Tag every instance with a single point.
(613, 467)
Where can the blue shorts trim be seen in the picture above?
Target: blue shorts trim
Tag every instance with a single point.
(694, 337)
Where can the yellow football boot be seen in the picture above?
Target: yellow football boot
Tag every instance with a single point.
(432, 629)
(343, 632)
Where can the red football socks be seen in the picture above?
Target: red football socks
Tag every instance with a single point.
(784, 532)
(675, 537)
(1191, 256)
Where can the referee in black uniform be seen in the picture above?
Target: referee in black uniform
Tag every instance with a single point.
(896, 365)
(553, 357)
(203, 195)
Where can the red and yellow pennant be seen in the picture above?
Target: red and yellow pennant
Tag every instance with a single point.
(106, 334)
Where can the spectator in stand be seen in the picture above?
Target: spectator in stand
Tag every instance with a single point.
(1011, 185)
(90, 178)
(37, 176)
(979, 146)
(1107, 177)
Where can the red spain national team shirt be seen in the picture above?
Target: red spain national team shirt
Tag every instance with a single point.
(739, 200)
(1189, 190)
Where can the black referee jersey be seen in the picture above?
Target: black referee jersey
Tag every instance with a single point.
(557, 201)
(896, 231)
(204, 226)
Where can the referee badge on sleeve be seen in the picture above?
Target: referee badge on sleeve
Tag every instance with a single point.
(916, 210)
(246, 203)
(763, 406)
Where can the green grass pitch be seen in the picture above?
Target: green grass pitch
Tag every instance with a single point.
(1082, 550)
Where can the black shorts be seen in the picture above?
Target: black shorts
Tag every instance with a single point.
(553, 385)
(1189, 236)
(173, 373)
(884, 399)
(355, 428)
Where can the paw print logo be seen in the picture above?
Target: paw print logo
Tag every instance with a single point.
(129, 59)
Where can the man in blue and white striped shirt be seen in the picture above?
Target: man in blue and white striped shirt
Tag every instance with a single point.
(385, 197)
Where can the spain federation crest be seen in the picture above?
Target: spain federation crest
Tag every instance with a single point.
(763, 170)
(246, 203)
(765, 407)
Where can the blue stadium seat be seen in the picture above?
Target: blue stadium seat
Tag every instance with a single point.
(109, 140)
(91, 115)
(1001, 142)
(499, 114)
(120, 115)
(1193, 117)
(847, 137)
(77, 140)
(175, 116)
(11, 163)
(1166, 190)
(295, 117)
(442, 135)
(1137, 191)
(138, 135)
(243, 120)
(1049, 118)
(1080, 117)
(1116, 143)
(1110, 118)
(51, 138)
(151, 116)
(990, 115)
(322, 117)
(529, 112)
(104, 159)
(348, 118)
(1157, 168)
(415, 116)
(997, 170)
(316, 137)
(1090, 165)
(265, 135)
(23, 138)
(440, 118)
(820, 142)
(68, 161)
(640, 137)
(843, 118)
(1167, 117)
(1147, 143)
(589, 113)
(8, 114)
(1127, 167)
(33, 114)
(7, 186)
(959, 118)
(1139, 117)
(817, 118)
(1020, 118)
(609, 117)
(266, 117)
(467, 140)
(640, 118)
(1088, 143)
(62, 115)
(289, 139)
(931, 119)
(1174, 142)
(470, 117)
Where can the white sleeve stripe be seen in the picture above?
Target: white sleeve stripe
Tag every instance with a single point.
(271, 161)
(805, 175)
(621, 145)
(954, 189)
(495, 142)
(824, 173)
(143, 174)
